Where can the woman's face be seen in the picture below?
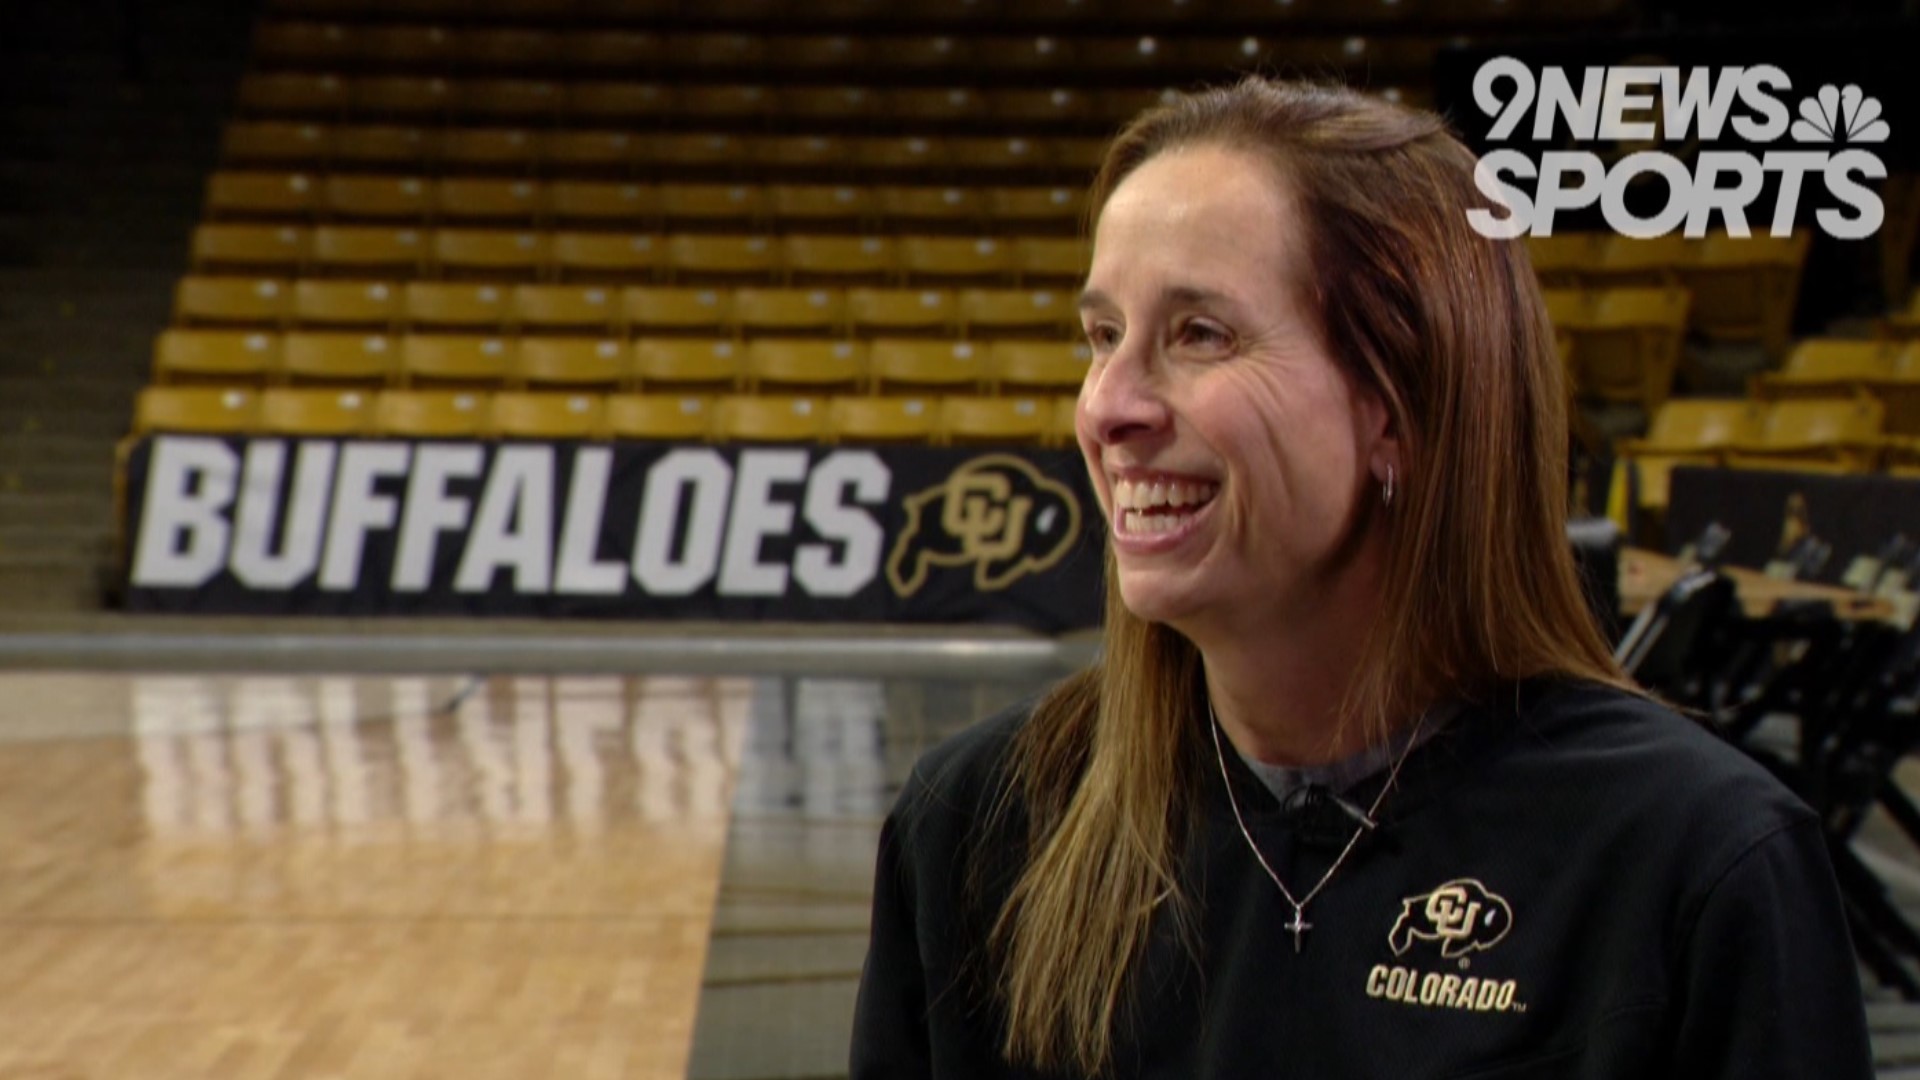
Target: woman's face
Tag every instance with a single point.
(1235, 459)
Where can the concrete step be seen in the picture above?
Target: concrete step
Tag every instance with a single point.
(53, 447)
(99, 424)
(39, 476)
(66, 548)
(90, 513)
(28, 586)
(59, 392)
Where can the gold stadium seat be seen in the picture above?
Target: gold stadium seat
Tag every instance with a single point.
(724, 102)
(656, 309)
(839, 259)
(276, 143)
(1629, 347)
(469, 360)
(196, 409)
(531, 414)
(384, 146)
(789, 310)
(497, 48)
(571, 362)
(261, 194)
(402, 97)
(1845, 434)
(1076, 154)
(368, 304)
(617, 51)
(205, 301)
(884, 312)
(289, 411)
(906, 208)
(607, 152)
(703, 151)
(994, 313)
(952, 260)
(898, 154)
(740, 205)
(235, 249)
(788, 365)
(1687, 431)
(1038, 53)
(1061, 430)
(1051, 260)
(967, 420)
(609, 101)
(506, 150)
(823, 52)
(1829, 367)
(513, 100)
(914, 364)
(606, 256)
(840, 104)
(930, 54)
(674, 417)
(769, 418)
(782, 152)
(1023, 109)
(489, 253)
(617, 204)
(697, 257)
(227, 355)
(281, 94)
(939, 105)
(723, 51)
(407, 197)
(688, 363)
(1564, 259)
(1015, 208)
(812, 205)
(423, 48)
(441, 304)
(369, 249)
(1000, 153)
(478, 199)
(334, 356)
(1037, 366)
(567, 307)
(862, 419)
(1901, 393)
(1744, 288)
(1648, 262)
(429, 414)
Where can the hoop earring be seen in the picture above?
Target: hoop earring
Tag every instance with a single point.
(1386, 489)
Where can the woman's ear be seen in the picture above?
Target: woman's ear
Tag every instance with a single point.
(1379, 435)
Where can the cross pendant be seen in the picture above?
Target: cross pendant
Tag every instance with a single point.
(1299, 926)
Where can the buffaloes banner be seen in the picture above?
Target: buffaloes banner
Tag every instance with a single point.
(630, 530)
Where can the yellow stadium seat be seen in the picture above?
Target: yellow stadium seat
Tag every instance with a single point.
(939, 105)
(609, 152)
(1569, 309)
(606, 256)
(782, 152)
(839, 259)
(972, 421)
(696, 257)
(617, 51)
(203, 301)
(738, 205)
(489, 253)
(881, 312)
(571, 362)
(1050, 260)
(989, 313)
(384, 146)
(724, 102)
(1039, 53)
(1023, 109)
(1844, 432)
(1829, 367)
(1687, 431)
(1563, 259)
(691, 151)
(720, 51)
(288, 411)
(1015, 208)
(455, 359)
(1016, 152)
(789, 310)
(1744, 288)
(1061, 431)
(479, 199)
(1649, 262)
(227, 355)
(1629, 348)
(308, 41)
(280, 94)
(370, 304)
(615, 204)
(909, 154)
(196, 409)
(495, 149)
(511, 100)
(769, 418)
(276, 143)
(408, 97)
(674, 417)
(811, 205)
(426, 48)
(688, 363)
(449, 304)
(1900, 393)
(429, 414)
(332, 356)
(823, 52)
(370, 249)
(251, 248)
(656, 309)
(913, 364)
(407, 197)
(255, 194)
(608, 101)
(840, 104)
(789, 365)
(1037, 366)
(528, 414)
(567, 307)
(907, 208)
(952, 260)
(861, 419)
(493, 48)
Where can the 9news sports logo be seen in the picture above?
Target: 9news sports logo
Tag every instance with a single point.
(1796, 141)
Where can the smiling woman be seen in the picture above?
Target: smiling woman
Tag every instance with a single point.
(1356, 788)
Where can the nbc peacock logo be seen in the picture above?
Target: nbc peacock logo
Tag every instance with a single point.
(1840, 114)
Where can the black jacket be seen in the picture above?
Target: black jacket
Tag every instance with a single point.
(1576, 884)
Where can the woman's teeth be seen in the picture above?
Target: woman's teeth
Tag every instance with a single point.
(1150, 507)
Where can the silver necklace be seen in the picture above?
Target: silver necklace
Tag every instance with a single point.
(1299, 926)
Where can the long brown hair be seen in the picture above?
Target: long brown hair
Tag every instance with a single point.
(1449, 328)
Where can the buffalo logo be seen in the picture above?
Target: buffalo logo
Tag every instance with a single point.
(996, 512)
(1461, 915)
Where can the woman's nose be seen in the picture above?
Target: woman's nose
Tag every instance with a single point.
(1120, 399)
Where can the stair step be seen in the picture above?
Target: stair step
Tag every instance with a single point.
(58, 393)
(105, 425)
(76, 513)
(29, 586)
(64, 548)
(41, 477)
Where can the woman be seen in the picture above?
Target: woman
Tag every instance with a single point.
(1356, 789)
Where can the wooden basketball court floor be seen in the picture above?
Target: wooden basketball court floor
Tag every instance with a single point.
(569, 876)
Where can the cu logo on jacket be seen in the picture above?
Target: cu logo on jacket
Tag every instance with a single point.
(1462, 915)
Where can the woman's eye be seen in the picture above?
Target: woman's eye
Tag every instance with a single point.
(1203, 334)
(1104, 337)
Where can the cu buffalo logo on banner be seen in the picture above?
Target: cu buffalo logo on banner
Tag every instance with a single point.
(1462, 916)
(996, 513)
